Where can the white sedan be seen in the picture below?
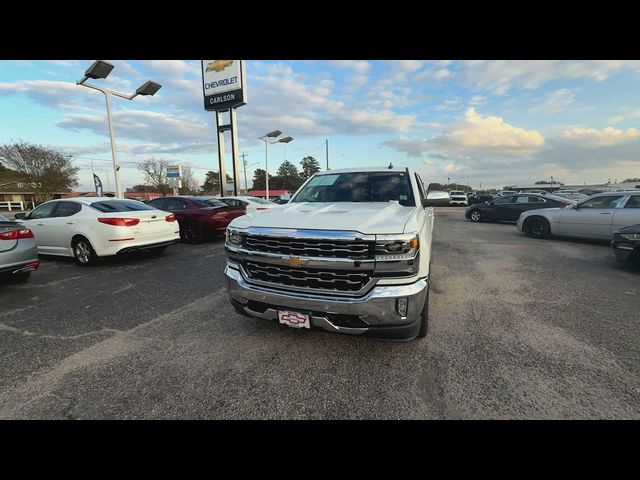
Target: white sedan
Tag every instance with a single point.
(597, 217)
(90, 227)
(253, 204)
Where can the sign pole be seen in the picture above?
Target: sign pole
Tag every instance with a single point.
(223, 173)
(234, 150)
(224, 89)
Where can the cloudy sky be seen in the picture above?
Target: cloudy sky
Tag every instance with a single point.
(477, 122)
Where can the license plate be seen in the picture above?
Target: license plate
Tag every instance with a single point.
(294, 319)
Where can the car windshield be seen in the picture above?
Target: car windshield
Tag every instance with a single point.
(358, 187)
(457, 193)
(121, 206)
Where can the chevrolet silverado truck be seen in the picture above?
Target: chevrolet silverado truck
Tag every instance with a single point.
(350, 253)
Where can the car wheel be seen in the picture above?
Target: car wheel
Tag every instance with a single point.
(537, 227)
(83, 252)
(424, 316)
(191, 232)
(475, 216)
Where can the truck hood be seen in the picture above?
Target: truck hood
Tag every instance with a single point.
(366, 218)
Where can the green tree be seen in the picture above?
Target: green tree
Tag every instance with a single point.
(287, 177)
(211, 183)
(260, 180)
(310, 167)
(47, 170)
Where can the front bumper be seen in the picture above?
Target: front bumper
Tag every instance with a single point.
(625, 251)
(458, 202)
(374, 314)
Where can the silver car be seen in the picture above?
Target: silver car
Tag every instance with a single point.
(596, 217)
(18, 251)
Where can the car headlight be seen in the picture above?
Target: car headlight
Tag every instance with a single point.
(233, 237)
(630, 236)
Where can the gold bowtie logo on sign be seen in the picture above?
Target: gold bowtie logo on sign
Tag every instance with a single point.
(218, 65)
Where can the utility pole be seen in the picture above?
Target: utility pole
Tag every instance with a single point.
(244, 164)
(327, 151)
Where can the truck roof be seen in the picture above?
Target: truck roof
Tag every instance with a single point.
(363, 169)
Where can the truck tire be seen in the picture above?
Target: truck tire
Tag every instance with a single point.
(424, 317)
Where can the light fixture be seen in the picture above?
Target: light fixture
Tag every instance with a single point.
(99, 69)
(148, 88)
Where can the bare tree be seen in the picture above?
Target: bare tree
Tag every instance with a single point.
(45, 169)
(155, 174)
(189, 182)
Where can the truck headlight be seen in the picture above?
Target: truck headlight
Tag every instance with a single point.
(233, 237)
(397, 247)
(397, 255)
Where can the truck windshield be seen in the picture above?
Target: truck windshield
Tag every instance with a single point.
(358, 187)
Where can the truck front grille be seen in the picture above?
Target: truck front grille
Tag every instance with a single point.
(310, 247)
(311, 278)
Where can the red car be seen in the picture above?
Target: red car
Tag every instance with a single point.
(198, 218)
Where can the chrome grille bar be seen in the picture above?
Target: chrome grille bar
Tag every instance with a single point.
(317, 279)
(309, 247)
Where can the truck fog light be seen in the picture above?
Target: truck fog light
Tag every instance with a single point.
(401, 306)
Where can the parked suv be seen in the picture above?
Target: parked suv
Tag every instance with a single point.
(457, 197)
(349, 253)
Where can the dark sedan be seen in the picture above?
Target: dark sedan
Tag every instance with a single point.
(509, 208)
(626, 243)
(198, 218)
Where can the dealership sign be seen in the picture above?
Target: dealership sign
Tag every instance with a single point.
(174, 171)
(223, 84)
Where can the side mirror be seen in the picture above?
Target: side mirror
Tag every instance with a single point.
(20, 216)
(436, 198)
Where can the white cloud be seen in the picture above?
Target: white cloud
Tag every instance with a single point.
(499, 76)
(474, 133)
(478, 100)
(490, 133)
(593, 138)
(555, 101)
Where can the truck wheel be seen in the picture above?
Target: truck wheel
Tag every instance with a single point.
(475, 216)
(424, 316)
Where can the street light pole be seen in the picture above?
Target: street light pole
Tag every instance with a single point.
(114, 154)
(274, 134)
(100, 69)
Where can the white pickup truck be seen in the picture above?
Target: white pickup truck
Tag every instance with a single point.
(350, 253)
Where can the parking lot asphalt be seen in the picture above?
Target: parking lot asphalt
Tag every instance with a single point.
(520, 329)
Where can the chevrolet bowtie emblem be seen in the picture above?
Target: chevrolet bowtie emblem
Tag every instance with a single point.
(295, 261)
(218, 65)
